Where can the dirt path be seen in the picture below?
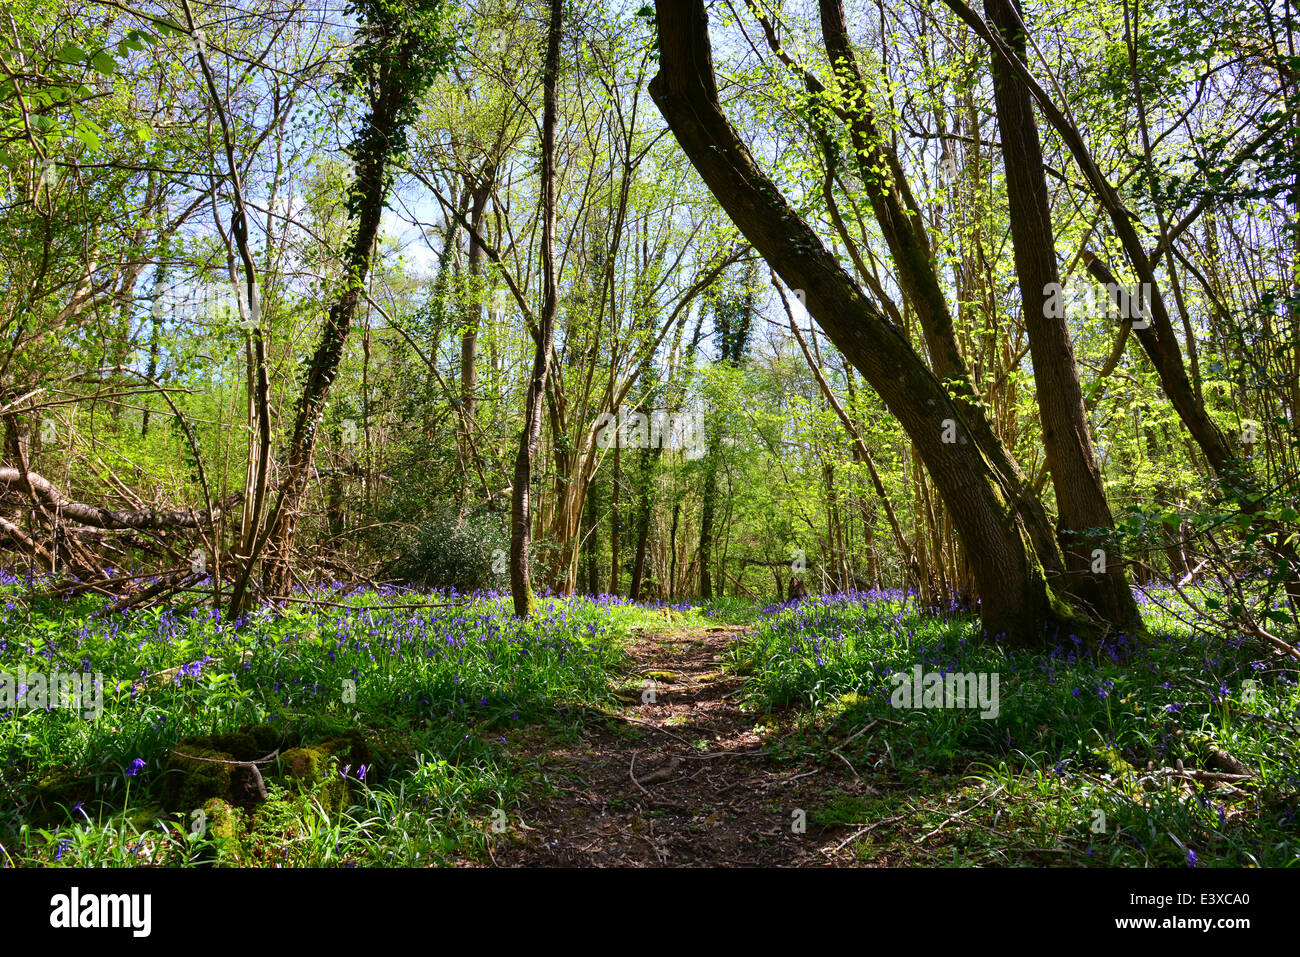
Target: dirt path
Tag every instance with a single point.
(678, 776)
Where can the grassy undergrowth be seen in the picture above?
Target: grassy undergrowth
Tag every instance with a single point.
(1089, 753)
(429, 686)
(406, 698)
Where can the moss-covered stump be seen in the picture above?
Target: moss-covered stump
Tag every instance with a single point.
(250, 742)
(321, 771)
(194, 774)
(215, 766)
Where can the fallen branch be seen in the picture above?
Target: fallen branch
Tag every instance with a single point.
(631, 772)
(865, 728)
(12, 479)
(173, 582)
(961, 814)
(1203, 777)
(659, 774)
(863, 830)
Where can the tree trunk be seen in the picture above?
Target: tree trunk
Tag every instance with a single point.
(591, 522)
(1067, 442)
(393, 87)
(1011, 559)
(473, 309)
(672, 552)
(521, 516)
(709, 494)
(648, 458)
(614, 523)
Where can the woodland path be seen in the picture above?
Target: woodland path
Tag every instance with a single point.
(680, 778)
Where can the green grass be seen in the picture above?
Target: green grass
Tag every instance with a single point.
(1065, 774)
(432, 689)
(1077, 746)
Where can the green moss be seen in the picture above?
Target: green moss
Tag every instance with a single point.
(668, 676)
(57, 793)
(304, 765)
(226, 827)
(225, 821)
(350, 747)
(195, 773)
(318, 770)
(198, 767)
(249, 743)
(142, 818)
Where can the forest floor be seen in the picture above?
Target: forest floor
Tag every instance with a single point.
(679, 775)
(604, 733)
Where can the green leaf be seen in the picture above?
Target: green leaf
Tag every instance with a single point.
(104, 63)
(87, 135)
(71, 53)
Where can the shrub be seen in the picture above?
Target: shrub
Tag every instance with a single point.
(446, 552)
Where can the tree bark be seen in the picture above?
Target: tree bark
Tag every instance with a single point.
(648, 459)
(14, 480)
(1067, 442)
(709, 494)
(615, 525)
(480, 192)
(390, 95)
(521, 501)
(1156, 334)
(989, 507)
(899, 219)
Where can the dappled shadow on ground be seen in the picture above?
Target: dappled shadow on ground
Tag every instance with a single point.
(678, 776)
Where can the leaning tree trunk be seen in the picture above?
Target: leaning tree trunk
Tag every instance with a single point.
(283, 522)
(1156, 333)
(899, 217)
(989, 507)
(521, 516)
